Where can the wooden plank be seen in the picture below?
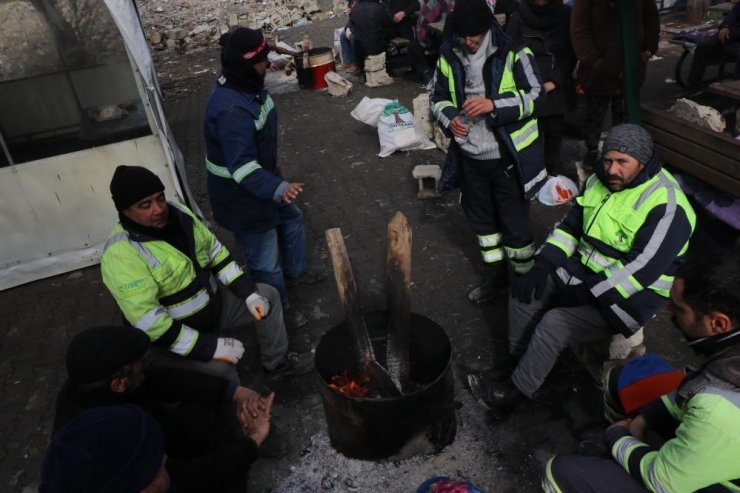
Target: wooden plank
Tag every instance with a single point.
(398, 281)
(719, 143)
(727, 89)
(700, 171)
(724, 8)
(694, 151)
(380, 381)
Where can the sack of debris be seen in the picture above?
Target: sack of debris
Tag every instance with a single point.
(399, 131)
(369, 109)
(557, 190)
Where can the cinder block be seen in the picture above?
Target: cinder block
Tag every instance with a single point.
(375, 63)
(428, 176)
(423, 114)
(177, 34)
(379, 78)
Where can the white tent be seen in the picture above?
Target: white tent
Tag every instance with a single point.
(78, 97)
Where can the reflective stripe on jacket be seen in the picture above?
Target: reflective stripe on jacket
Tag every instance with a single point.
(513, 84)
(158, 288)
(625, 245)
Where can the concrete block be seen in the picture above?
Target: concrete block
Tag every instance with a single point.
(338, 85)
(155, 38)
(375, 63)
(423, 114)
(377, 79)
(177, 34)
(428, 176)
(704, 116)
(442, 141)
(171, 43)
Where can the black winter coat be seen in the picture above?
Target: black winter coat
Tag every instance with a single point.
(204, 453)
(546, 31)
(372, 27)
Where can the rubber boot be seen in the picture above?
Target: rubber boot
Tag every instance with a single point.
(495, 286)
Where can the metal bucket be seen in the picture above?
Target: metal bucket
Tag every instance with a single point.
(422, 421)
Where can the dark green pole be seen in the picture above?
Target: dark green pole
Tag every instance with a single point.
(631, 58)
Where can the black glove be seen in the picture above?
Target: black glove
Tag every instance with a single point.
(572, 295)
(535, 280)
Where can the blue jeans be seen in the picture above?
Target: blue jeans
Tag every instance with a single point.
(277, 253)
(348, 48)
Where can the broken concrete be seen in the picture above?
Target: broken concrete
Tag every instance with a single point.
(423, 114)
(703, 116)
(338, 85)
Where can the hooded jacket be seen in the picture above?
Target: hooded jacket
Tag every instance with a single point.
(625, 246)
(705, 411)
(546, 31)
(514, 85)
(372, 26)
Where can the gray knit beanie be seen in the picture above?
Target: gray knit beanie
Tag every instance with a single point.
(630, 139)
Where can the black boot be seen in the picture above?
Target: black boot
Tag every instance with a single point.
(493, 287)
(501, 398)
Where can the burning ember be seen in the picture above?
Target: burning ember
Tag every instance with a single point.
(353, 385)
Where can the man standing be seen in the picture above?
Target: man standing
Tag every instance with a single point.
(486, 96)
(605, 269)
(698, 420)
(597, 40)
(167, 272)
(425, 39)
(247, 192)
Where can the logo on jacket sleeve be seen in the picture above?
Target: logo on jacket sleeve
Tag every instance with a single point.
(131, 288)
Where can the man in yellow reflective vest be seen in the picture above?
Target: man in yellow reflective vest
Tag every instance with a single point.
(174, 280)
(486, 95)
(605, 269)
(698, 421)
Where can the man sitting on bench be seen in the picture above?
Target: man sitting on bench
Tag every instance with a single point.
(725, 42)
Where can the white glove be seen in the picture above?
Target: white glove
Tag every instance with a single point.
(228, 350)
(258, 306)
(348, 33)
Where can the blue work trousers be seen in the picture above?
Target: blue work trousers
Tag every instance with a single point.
(277, 253)
(348, 48)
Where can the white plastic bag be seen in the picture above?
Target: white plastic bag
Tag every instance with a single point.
(399, 131)
(369, 109)
(557, 190)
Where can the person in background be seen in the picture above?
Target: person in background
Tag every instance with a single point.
(403, 12)
(726, 41)
(372, 30)
(698, 419)
(425, 39)
(544, 26)
(597, 41)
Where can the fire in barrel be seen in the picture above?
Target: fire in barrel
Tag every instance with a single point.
(386, 376)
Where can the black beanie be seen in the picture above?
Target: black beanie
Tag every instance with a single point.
(113, 449)
(130, 184)
(248, 44)
(98, 353)
(471, 17)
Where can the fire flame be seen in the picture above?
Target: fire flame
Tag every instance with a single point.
(353, 385)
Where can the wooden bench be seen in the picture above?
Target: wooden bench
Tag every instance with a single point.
(727, 89)
(709, 156)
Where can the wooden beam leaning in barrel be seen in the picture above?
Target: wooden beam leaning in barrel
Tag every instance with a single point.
(398, 281)
(380, 380)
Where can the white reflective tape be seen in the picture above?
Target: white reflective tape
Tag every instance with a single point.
(190, 306)
(490, 256)
(150, 318)
(229, 273)
(490, 240)
(185, 341)
(267, 107)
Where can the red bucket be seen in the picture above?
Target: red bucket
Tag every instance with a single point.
(320, 62)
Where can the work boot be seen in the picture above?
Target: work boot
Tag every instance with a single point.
(294, 319)
(294, 364)
(314, 274)
(493, 287)
(349, 67)
(501, 398)
(276, 445)
(500, 372)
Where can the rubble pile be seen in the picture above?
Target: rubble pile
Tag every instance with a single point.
(187, 25)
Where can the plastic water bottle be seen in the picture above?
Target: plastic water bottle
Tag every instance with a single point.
(465, 120)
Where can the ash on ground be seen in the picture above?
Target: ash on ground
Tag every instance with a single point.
(469, 457)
